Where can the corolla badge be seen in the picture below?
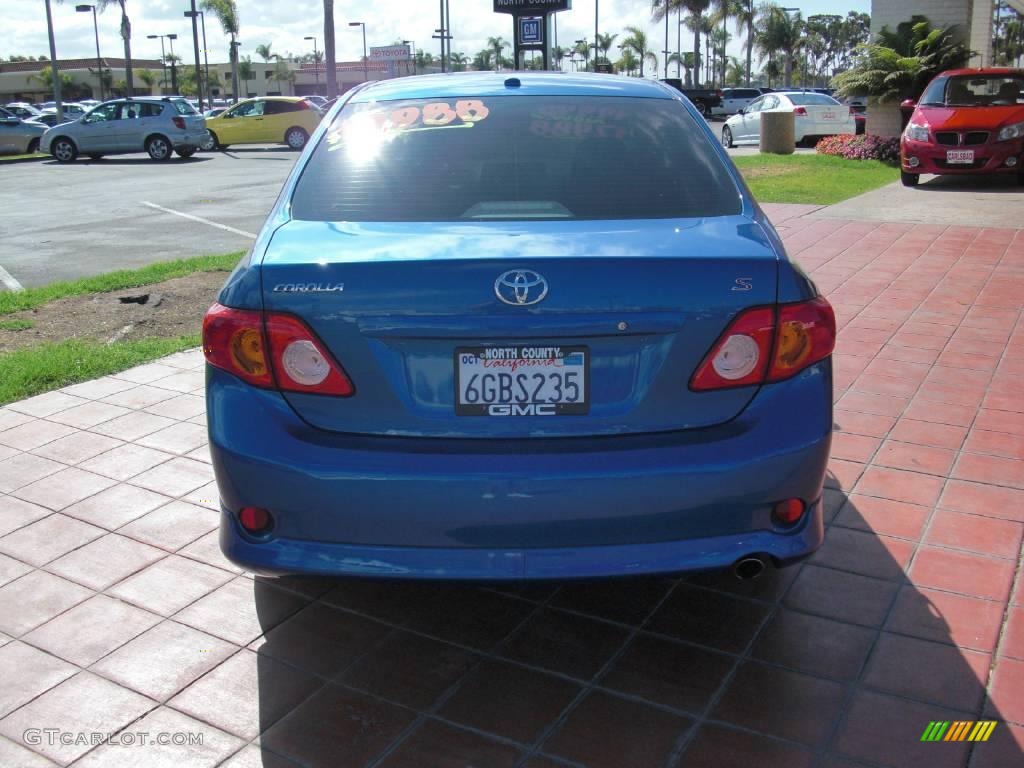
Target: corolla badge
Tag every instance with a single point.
(309, 287)
(521, 287)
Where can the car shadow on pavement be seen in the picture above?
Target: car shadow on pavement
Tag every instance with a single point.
(139, 160)
(997, 183)
(837, 658)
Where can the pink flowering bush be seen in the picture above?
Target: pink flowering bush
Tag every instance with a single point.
(864, 147)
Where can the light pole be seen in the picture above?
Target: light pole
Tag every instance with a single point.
(586, 49)
(366, 67)
(316, 64)
(412, 55)
(206, 57)
(96, 29)
(234, 71)
(163, 59)
(54, 64)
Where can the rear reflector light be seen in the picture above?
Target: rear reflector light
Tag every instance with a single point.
(800, 112)
(740, 356)
(179, 122)
(268, 349)
(765, 344)
(255, 519)
(853, 112)
(301, 364)
(789, 511)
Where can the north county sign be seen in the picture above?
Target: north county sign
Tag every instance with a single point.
(528, 7)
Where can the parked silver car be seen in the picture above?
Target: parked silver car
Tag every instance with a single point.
(156, 125)
(18, 136)
(22, 110)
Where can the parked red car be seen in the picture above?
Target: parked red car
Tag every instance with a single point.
(966, 121)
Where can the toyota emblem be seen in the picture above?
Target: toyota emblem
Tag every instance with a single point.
(521, 287)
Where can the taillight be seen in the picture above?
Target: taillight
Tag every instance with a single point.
(800, 112)
(764, 344)
(853, 112)
(806, 334)
(304, 104)
(740, 356)
(301, 364)
(270, 349)
(233, 340)
(179, 122)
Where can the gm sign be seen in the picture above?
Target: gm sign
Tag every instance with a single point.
(530, 30)
(524, 7)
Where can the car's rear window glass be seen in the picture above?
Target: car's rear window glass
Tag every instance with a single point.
(515, 158)
(804, 99)
(184, 108)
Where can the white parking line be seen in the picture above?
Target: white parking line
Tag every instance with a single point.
(200, 219)
(9, 282)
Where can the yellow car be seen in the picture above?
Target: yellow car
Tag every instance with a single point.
(267, 120)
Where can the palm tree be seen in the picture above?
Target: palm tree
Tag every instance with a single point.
(263, 51)
(330, 60)
(423, 60)
(45, 77)
(695, 24)
(720, 38)
(604, 44)
(583, 49)
(226, 12)
(497, 45)
(558, 54)
(149, 77)
(628, 63)
(482, 60)
(458, 62)
(246, 72)
(126, 35)
(745, 15)
(636, 42)
(283, 73)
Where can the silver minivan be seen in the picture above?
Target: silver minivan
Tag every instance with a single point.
(156, 125)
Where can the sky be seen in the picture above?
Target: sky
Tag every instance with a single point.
(284, 24)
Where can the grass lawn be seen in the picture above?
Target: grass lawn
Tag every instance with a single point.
(27, 372)
(116, 281)
(53, 364)
(33, 155)
(814, 179)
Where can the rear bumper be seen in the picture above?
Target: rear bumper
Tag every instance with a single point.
(989, 158)
(521, 509)
(190, 140)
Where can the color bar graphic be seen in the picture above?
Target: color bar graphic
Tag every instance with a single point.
(958, 730)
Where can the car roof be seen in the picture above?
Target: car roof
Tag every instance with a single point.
(982, 71)
(455, 84)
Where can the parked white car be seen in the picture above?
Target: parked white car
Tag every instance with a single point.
(156, 125)
(735, 99)
(816, 115)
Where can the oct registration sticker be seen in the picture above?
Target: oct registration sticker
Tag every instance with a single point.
(510, 381)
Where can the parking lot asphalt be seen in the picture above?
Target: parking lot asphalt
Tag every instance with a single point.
(62, 222)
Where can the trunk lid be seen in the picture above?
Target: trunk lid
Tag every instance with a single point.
(645, 300)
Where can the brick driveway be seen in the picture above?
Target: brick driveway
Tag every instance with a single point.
(117, 612)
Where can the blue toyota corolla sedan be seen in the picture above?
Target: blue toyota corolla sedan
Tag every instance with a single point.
(512, 327)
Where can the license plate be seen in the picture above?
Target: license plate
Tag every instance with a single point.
(522, 380)
(960, 156)
(828, 115)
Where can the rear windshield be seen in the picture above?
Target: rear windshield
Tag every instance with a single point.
(514, 158)
(803, 99)
(183, 107)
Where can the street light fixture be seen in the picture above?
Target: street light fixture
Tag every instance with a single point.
(412, 55)
(96, 29)
(366, 65)
(316, 63)
(163, 54)
(206, 58)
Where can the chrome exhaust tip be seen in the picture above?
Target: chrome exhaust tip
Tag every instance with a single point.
(748, 568)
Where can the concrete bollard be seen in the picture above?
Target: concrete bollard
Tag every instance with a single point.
(778, 133)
